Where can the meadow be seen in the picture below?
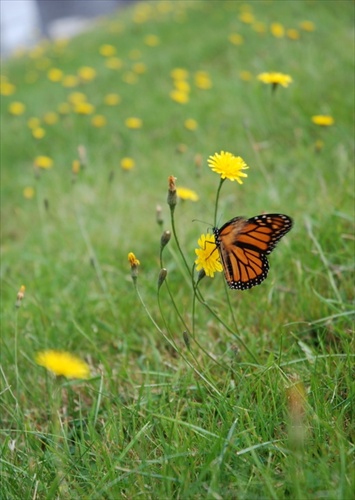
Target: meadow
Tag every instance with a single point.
(183, 387)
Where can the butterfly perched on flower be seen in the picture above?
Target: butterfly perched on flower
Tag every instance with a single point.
(243, 245)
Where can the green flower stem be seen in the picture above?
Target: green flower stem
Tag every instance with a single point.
(173, 345)
(235, 335)
(177, 240)
(216, 203)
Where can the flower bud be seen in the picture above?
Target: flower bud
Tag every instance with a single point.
(134, 263)
(165, 238)
(20, 296)
(159, 216)
(172, 196)
(162, 275)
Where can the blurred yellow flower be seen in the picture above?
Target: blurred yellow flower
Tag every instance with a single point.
(38, 132)
(63, 363)
(247, 17)
(83, 108)
(207, 255)
(323, 120)
(179, 74)
(275, 78)
(307, 26)
(190, 124)
(107, 50)
(7, 88)
(86, 73)
(259, 27)
(98, 121)
(76, 97)
(114, 63)
(202, 80)
(75, 167)
(33, 122)
(70, 81)
(43, 162)
(277, 30)
(127, 163)
(28, 192)
(179, 96)
(182, 85)
(133, 122)
(112, 99)
(16, 108)
(245, 75)
(139, 68)
(130, 77)
(293, 34)
(236, 39)
(186, 194)
(55, 75)
(50, 118)
(152, 40)
(228, 166)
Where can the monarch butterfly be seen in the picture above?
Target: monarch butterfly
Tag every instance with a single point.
(243, 245)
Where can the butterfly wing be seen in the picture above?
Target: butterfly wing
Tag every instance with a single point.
(243, 245)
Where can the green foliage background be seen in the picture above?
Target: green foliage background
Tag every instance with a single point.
(156, 420)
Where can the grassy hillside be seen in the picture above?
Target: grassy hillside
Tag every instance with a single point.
(192, 390)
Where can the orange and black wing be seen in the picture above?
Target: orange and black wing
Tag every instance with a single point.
(243, 245)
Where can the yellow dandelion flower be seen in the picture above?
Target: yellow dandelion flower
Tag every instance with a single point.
(275, 79)
(20, 296)
(259, 27)
(84, 108)
(17, 108)
(277, 30)
(323, 120)
(50, 118)
(207, 255)
(134, 263)
(55, 75)
(127, 163)
(186, 194)
(86, 73)
(307, 26)
(75, 167)
(228, 166)
(133, 122)
(245, 75)
(247, 17)
(190, 124)
(44, 162)
(293, 34)
(113, 63)
(33, 122)
(236, 39)
(112, 99)
(28, 192)
(7, 88)
(38, 132)
(70, 81)
(152, 40)
(76, 97)
(63, 363)
(202, 80)
(98, 121)
(130, 77)
(179, 96)
(139, 68)
(182, 85)
(179, 74)
(107, 50)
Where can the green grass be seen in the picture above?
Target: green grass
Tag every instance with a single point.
(260, 404)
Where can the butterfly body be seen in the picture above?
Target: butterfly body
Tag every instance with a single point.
(243, 245)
